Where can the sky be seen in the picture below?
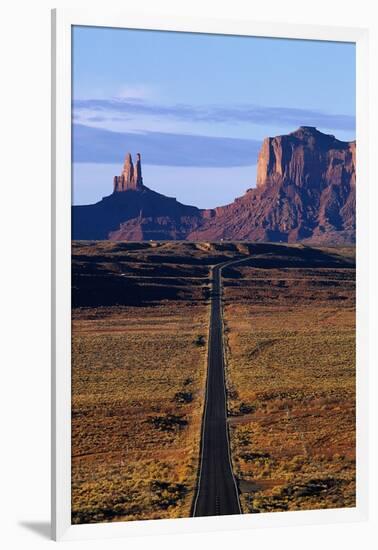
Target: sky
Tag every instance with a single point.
(197, 106)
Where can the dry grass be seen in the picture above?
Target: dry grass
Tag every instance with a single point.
(138, 378)
(140, 323)
(291, 386)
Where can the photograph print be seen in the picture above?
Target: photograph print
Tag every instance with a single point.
(213, 275)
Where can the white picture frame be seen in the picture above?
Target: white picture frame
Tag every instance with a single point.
(62, 22)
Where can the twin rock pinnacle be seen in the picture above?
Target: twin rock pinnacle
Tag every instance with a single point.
(131, 177)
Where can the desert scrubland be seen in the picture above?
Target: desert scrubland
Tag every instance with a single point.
(290, 344)
(138, 374)
(139, 359)
(139, 344)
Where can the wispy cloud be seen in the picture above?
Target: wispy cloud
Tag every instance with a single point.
(185, 135)
(135, 92)
(97, 145)
(241, 114)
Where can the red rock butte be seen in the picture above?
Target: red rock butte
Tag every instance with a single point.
(131, 177)
(305, 192)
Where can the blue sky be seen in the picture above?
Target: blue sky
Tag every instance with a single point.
(198, 106)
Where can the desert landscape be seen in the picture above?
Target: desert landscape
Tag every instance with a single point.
(305, 192)
(140, 330)
(213, 229)
(139, 368)
(290, 337)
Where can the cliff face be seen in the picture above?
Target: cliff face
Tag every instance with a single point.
(306, 190)
(307, 158)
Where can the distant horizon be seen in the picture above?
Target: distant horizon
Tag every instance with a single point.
(197, 107)
(245, 177)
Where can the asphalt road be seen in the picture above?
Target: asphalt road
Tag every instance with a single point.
(217, 492)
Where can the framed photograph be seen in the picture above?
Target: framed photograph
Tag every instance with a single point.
(209, 274)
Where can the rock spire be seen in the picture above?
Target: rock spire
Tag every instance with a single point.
(131, 177)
